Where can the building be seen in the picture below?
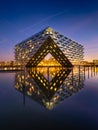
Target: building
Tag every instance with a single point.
(10, 66)
(95, 62)
(27, 48)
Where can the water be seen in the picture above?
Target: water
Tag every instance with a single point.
(49, 98)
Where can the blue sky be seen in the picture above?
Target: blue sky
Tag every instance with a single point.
(19, 19)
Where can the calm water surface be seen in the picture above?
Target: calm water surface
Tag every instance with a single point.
(49, 98)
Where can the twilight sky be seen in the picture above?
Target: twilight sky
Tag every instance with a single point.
(76, 19)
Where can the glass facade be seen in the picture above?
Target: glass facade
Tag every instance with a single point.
(27, 48)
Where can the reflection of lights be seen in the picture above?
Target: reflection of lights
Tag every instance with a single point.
(49, 105)
(27, 83)
(22, 76)
(41, 81)
(61, 81)
(51, 88)
(19, 79)
(95, 69)
(38, 92)
(52, 70)
(48, 93)
(44, 84)
(5, 68)
(54, 84)
(55, 89)
(28, 93)
(31, 89)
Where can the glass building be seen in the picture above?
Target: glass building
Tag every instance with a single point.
(27, 48)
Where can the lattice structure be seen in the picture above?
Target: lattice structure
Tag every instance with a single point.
(49, 46)
(50, 88)
(27, 48)
(49, 93)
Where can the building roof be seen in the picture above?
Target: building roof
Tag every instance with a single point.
(48, 31)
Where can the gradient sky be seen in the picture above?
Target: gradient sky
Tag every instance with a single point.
(20, 19)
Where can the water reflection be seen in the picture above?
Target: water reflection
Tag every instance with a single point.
(51, 85)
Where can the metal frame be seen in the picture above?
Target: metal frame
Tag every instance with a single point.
(49, 46)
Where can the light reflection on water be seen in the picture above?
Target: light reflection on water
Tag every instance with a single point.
(49, 85)
(71, 95)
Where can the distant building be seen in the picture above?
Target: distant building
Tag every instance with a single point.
(95, 62)
(9, 63)
(27, 48)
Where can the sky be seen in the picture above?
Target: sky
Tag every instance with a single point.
(76, 19)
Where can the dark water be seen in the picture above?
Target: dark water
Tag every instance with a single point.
(49, 98)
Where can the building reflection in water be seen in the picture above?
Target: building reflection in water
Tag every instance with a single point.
(49, 85)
